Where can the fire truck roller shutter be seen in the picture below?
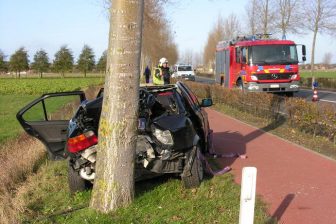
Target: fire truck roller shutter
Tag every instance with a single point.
(226, 68)
(219, 66)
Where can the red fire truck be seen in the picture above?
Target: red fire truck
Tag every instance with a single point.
(259, 64)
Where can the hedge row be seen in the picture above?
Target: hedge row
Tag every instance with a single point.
(315, 118)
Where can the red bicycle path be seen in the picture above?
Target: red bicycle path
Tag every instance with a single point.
(298, 185)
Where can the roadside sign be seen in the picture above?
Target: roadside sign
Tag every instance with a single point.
(247, 196)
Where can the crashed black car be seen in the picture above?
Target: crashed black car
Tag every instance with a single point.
(173, 131)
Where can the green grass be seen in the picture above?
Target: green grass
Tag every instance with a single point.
(9, 106)
(34, 86)
(319, 74)
(16, 93)
(160, 200)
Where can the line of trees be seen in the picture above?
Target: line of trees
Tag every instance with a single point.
(63, 62)
(157, 38)
(277, 17)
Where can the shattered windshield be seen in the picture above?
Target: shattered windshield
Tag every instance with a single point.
(165, 102)
(274, 54)
(184, 68)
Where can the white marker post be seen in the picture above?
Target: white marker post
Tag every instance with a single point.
(247, 196)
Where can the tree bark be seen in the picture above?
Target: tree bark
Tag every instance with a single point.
(114, 183)
(316, 29)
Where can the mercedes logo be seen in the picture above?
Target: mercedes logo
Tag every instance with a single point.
(275, 76)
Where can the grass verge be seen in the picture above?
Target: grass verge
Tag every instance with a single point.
(20, 157)
(162, 200)
(319, 74)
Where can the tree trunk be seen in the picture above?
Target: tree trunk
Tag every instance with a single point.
(266, 18)
(312, 62)
(114, 183)
(316, 26)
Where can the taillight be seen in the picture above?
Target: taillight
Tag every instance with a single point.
(82, 142)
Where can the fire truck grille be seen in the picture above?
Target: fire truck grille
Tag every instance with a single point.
(274, 76)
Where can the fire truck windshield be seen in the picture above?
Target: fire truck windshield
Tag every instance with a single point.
(184, 68)
(273, 54)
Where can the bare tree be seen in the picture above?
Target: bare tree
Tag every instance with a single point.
(321, 18)
(157, 36)
(222, 30)
(289, 17)
(114, 182)
(231, 27)
(158, 39)
(327, 59)
(252, 16)
(214, 36)
(197, 59)
(266, 15)
(187, 56)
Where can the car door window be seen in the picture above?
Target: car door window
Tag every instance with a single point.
(53, 108)
(194, 101)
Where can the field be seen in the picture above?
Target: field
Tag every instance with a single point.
(318, 74)
(16, 93)
(34, 86)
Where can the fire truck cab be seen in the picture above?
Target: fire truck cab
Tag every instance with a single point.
(259, 64)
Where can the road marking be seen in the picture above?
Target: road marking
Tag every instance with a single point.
(330, 101)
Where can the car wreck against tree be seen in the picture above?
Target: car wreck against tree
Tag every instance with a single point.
(173, 132)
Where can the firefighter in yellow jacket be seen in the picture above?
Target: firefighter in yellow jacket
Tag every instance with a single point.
(161, 74)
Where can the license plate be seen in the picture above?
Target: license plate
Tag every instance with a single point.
(274, 85)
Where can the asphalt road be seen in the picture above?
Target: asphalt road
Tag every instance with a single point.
(324, 96)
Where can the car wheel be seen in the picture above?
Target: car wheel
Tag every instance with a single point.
(76, 182)
(196, 172)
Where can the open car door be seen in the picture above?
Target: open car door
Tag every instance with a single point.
(47, 119)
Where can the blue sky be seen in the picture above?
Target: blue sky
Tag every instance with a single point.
(48, 24)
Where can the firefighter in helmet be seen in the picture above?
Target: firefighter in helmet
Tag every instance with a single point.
(161, 74)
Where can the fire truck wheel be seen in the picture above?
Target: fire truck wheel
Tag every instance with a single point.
(290, 94)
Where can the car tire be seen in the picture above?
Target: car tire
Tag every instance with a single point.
(76, 182)
(196, 172)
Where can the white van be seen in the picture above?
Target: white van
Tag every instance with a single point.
(183, 71)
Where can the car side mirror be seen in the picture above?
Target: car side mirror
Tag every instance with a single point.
(206, 102)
